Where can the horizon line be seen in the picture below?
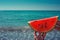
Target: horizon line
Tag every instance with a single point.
(29, 10)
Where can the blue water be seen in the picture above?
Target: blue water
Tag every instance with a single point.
(20, 18)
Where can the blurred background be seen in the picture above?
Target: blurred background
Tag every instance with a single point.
(15, 14)
(14, 24)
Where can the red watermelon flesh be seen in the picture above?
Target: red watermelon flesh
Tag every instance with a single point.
(43, 25)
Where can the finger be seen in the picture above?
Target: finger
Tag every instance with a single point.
(57, 27)
(35, 33)
(58, 23)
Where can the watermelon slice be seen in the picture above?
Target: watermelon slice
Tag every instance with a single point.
(43, 25)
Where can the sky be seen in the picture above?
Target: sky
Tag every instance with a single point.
(29, 4)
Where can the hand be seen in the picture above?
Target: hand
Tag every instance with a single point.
(35, 35)
(57, 27)
(40, 35)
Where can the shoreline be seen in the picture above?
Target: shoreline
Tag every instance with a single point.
(16, 29)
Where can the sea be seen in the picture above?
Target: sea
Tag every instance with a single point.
(19, 19)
